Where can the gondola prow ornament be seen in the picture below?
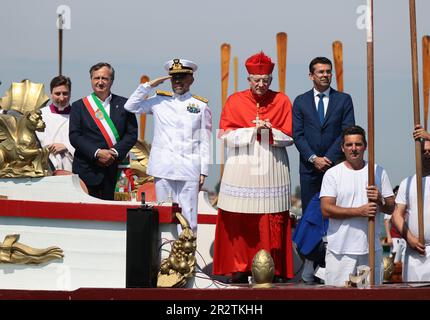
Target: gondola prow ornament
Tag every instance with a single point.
(20, 152)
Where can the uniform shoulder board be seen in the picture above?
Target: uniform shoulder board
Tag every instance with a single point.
(200, 98)
(164, 93)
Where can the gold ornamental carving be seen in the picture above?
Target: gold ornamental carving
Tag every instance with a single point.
(20, 151)
(24, 96)
(263, 270)
(11, 251)
(139, 162)
(139, 157)
(180, 266)
(388, 267)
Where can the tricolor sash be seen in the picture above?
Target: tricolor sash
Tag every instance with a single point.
(101, 118)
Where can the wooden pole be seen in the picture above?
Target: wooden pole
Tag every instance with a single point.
(281, 45)
(142, 124)
(235, 73)
(426, 77)
(225, 67)
(338, 63)
(60, 43)
(416, 102)
(371, 134)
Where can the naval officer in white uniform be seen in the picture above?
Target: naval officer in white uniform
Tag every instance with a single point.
(180, 152)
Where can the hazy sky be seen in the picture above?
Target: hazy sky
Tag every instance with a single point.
(137, 37)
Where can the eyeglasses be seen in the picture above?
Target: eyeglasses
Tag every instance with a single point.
(258, 80)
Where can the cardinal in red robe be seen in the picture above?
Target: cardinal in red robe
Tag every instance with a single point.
(254, 198)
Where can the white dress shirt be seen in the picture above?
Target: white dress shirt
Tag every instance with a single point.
(326, 99)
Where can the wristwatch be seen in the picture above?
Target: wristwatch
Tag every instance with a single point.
(312, 158)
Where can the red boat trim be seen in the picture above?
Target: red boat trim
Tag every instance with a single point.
(76, 211)
(204, 218)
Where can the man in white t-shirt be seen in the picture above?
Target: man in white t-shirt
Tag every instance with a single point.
(348, 202)
(405, 217)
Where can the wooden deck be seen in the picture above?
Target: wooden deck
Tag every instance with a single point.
(240, 292)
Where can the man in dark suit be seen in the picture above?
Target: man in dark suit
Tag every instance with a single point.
(102, 132)
(319, 117)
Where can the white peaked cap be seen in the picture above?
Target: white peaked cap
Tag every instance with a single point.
(180, 66)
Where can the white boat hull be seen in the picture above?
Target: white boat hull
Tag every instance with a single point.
(94, 249)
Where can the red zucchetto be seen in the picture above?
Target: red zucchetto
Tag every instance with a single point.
(259, 64)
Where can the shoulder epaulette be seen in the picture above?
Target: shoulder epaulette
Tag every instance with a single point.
(164, 93)
(200, 98)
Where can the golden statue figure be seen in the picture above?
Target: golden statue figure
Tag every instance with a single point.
(20, 151)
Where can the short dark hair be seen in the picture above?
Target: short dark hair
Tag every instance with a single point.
(354, 130)
(322, 60)
(61, 81)
(101, 65)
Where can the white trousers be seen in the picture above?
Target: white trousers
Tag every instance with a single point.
(338, 267)
(185, 193)
(416, 267)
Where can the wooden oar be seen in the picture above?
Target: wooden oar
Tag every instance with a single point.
(370, 134)
(235, 72)
(416, 102)
(60, 43)
(281, 45)
(225, 67)
(338, 64)
(143, 79)
(426, 77)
